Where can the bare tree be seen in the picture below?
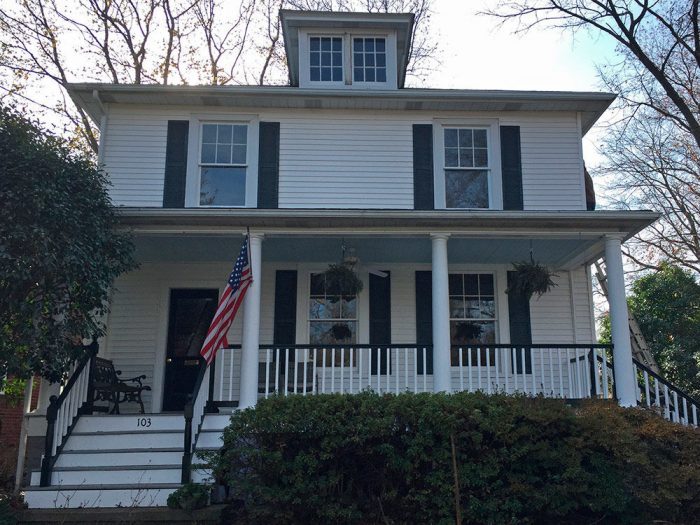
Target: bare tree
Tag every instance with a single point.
(652, 148)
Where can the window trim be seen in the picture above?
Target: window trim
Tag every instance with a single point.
(194, 149)
(492, 127)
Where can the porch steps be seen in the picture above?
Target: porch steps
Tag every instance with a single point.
(108, 461)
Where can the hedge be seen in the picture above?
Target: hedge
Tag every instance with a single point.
(368, 458)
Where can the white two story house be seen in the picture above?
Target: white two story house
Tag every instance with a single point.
(429, 195)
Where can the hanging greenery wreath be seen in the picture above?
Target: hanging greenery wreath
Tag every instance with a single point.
(341, 279)
(530, 278)
(341, 332)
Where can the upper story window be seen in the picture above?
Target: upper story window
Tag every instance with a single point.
(223, 164)
(467, 167)
(326, 59)
(369, 59)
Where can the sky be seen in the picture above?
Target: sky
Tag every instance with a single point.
(477, 53)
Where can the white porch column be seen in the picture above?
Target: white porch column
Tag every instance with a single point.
(441, 315)
(625, 383)
(251, 328)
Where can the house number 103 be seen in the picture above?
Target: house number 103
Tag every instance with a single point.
(143, 422)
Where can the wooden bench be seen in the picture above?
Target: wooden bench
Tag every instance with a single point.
(110, 388)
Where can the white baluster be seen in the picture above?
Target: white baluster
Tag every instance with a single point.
(461, 369)
(425, 369)
(488, 370)
(471, 368)
(524, 369)
(561, 376)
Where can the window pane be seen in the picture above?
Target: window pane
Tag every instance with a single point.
(315, 44)
(332, 333)
(315, 59)
(315, 74)
(239, 155)
(357, 44)
(208, 153)
(326, 74)
(471, 284)
(359, 60)
(466, 332)
(381, 75)
(358, 74)
(456, 286)
(240, 134)
(457, 307)
(381, 60)
(471, 307)
(325, 44)
(466, 189)
(479, 138)
(451, 138)
(225, 134)
(222, 186)
(337, 74)
(466, 158)
(318, 286)
(324, 308)
(369, 75)
(337, 44)
(337, 59)
(481, 158)
(223, 154)
(349, 308)
(451, 159)
(488, 308)
(369, 60)
(325, 59)
(381, 45)
(486, 284)
(369, 44)
(209, 133)
(465, 138)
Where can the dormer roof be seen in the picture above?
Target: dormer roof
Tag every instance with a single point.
(293, 21)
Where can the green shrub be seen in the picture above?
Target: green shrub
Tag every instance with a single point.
(189, 497)
(388, 459)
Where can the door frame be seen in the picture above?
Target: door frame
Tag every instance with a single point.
(162, 336)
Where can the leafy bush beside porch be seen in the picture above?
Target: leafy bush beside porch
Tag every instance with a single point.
(388, 459)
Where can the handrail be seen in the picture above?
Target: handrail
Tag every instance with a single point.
(193, 407)
(656, 376)
(404, 345)
(74, 400)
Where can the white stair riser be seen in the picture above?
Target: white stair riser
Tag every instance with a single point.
(114, 477)
(216, 421)
(114, 459)
(93, 498)
(124, 441)
(210, 440)
(131, 423)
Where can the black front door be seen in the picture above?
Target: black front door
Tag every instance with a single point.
(191, 312)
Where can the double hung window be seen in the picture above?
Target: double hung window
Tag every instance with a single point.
(223, 164)
(472, 316)
(467, 167)
(332, 318)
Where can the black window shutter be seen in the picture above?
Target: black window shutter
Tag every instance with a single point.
(269, 165)
(175, 164)
(424, 319)
(423, 183)
(379, 319)
(520, 328)
(285, 325)
(511, 168)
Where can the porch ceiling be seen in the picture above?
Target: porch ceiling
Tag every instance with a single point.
(557, 252)
(562, 239)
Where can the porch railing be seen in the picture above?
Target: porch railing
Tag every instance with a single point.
(64, 411)
(194, 412)
(566, 371)
(671, 402)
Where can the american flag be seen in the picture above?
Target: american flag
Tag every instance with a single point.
(231, 299)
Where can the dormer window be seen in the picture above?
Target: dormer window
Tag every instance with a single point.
(326, 59)
(369, 59)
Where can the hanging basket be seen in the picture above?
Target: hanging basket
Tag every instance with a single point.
(530, 278)
(341, 279)
(341, 332)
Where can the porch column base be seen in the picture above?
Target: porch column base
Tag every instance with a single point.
(441, 315)
(251, 328)
(625, 383)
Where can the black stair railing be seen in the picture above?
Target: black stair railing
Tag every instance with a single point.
(65, 409)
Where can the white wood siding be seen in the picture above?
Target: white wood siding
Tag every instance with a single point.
(346, 162)
(551, 161)
(333, 159)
